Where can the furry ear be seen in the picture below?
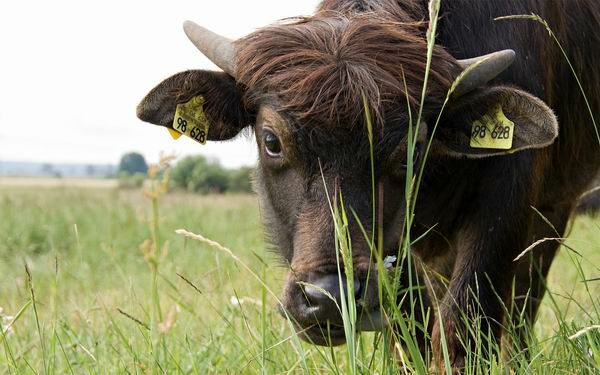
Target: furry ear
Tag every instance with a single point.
(494, 121)
(223, 104)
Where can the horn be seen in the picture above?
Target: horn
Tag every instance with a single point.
(480, 70)
(217, 48)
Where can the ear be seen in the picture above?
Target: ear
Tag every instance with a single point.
(223, 102)
(494, 121)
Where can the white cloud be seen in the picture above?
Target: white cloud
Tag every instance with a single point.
(72, 73)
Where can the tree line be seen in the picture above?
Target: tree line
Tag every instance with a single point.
(195, 174)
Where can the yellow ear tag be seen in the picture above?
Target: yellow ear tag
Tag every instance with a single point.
(190, 120)
(494, 130)
(174, 133)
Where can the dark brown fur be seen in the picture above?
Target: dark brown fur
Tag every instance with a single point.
(320, 67)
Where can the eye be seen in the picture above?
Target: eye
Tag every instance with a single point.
(272, 144)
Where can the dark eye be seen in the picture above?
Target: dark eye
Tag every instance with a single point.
(272, 144)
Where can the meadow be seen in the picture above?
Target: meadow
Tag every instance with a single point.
(83, 290)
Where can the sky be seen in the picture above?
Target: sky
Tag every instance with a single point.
(73, 72)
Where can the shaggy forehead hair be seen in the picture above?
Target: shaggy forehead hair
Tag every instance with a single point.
(320, 68)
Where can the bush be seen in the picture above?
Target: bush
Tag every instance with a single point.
(199, 175)
(209, 178)
(240, 180)
(181, 174)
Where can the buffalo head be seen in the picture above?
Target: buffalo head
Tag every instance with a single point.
(304, 88)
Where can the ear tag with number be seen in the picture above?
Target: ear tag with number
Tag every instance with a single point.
(190, 120)
(494, 131)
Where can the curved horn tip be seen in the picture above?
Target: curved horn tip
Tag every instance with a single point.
(506, 52)
(217, 48)
(507, 56)
(480, 70)
(189, 26)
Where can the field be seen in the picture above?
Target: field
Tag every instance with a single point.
(82, 290)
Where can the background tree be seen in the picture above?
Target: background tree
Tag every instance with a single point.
(209, 178)
(240, 180)
(132, 163)
(198, 175)
(181, 176)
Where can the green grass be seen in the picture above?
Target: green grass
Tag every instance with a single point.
(93, 292)
(97, 281)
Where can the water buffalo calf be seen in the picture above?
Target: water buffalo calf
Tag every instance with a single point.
(302, 86)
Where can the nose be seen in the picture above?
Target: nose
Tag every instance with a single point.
(324, 294)
(314, 302)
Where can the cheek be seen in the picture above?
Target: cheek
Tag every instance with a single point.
(394, 212)
(394, 201)
(280, 194)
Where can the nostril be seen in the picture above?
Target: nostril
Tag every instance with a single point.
(322, 290)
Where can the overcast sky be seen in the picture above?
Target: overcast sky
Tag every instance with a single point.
(73, 72)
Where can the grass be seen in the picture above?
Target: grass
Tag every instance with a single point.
(100, 283)
(88, 307)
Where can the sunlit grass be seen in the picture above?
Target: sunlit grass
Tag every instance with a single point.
(103, 270)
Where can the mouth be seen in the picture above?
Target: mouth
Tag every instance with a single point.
(327, 334)
(331, 335)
